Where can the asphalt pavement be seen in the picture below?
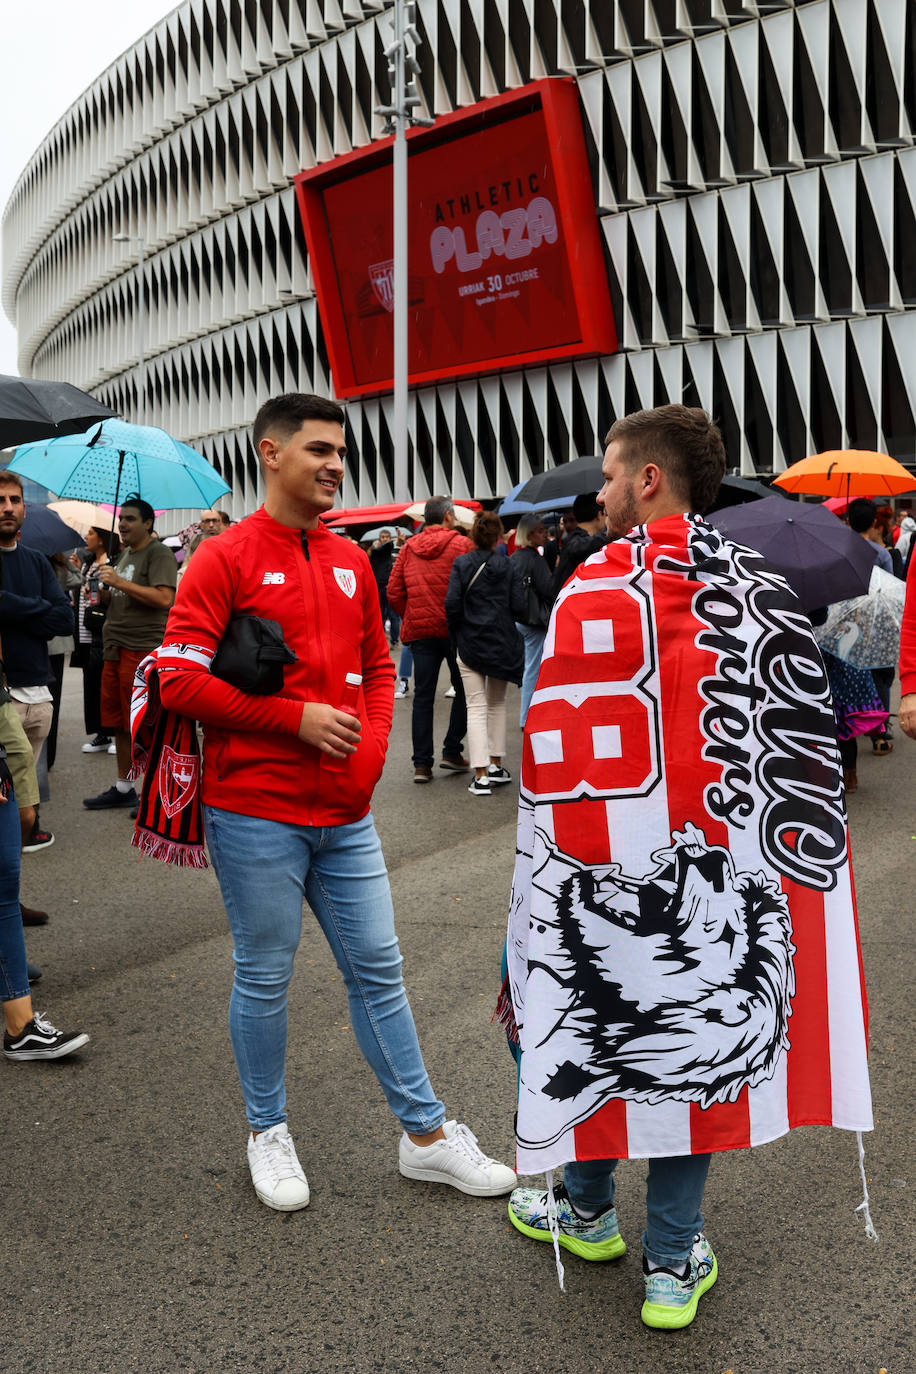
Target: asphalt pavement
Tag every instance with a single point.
(134, 1240)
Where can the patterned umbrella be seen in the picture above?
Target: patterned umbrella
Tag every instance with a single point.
(865, 631)
(114, 459)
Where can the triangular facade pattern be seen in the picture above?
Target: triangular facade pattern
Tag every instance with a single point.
(754, 167)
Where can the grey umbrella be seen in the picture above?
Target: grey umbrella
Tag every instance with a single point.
(43, 529)
(567, 480)
(819, 556)
(31, 410)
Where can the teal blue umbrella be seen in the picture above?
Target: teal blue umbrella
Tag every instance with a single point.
(114, 459)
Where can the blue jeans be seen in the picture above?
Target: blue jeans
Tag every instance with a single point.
(14, 976)
(389, 614)
(534, 647)
(265, 868)
(674, 1195)
(405, 663)
(427, 660)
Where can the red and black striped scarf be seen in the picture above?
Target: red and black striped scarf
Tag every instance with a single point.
(164, 746)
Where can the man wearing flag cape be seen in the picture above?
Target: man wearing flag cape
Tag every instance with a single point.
(684, 967)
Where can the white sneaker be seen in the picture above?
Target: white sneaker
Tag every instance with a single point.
(456, 1160)
(275, 1170)
(112, 748)
(401, 689)
(450, 692)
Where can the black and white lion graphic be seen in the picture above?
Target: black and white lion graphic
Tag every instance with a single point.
(677, 985)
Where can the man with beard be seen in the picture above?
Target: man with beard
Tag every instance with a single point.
(681, 854)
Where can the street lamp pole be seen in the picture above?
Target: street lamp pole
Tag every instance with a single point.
(140, 241)
(403, 68)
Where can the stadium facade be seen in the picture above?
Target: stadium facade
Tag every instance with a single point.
(753, 167)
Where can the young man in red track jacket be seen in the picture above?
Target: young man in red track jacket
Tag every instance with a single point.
(416, 590)
(287, 782)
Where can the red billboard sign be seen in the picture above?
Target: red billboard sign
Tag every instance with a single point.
(505, 258)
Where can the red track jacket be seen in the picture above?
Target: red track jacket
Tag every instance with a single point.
(327, 605)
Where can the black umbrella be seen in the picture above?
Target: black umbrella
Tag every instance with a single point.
(43, 529)
(31, 410)
(569, 479)
(820, 557)
(735, 491)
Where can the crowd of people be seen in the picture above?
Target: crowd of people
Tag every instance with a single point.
(648, 971)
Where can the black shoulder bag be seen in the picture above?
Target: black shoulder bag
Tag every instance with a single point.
(252, 654)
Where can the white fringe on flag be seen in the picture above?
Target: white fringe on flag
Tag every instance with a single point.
(554, 1229)
(863, 1206)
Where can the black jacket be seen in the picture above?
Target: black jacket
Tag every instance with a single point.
(481, 617)
(579, 546)
(382, 560)
(528, 563)
(33, 609)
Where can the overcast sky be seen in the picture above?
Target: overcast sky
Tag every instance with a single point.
(51, 51)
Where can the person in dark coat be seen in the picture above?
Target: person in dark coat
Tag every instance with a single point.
(381, 556)
(482, 604)
(530, 568)
(587, 537)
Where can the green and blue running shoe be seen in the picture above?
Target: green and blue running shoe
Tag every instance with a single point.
(598, 1239)
(672, 1298)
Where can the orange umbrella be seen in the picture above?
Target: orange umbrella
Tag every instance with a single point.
(847, 472)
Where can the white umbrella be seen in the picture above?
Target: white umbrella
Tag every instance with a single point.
(79, 515)
(463, 516)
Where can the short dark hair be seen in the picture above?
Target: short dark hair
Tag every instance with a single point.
(436, 509)
(144, 507)
(585, 506)
(861, 514)
(487, 529)
(682, 440)
(10, 479)
(282, 416)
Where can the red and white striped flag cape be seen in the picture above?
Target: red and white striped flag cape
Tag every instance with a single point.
(683, 950)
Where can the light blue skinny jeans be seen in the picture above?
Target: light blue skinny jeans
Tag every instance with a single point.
(674, 1195)
(534, 647)
(265, 869)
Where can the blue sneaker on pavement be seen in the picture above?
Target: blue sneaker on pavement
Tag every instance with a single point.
(597, 1239)
(672, 1298)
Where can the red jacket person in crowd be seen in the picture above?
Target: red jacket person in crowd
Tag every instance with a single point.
(416, 590)
(287, 783)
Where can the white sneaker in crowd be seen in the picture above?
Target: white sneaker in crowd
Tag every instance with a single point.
(97, 745)
(276, 1173)
(402, 689)
(456, 1160)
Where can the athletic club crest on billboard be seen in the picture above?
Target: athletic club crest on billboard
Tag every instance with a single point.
(346, 581)
(381, 275)
(178, 775)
